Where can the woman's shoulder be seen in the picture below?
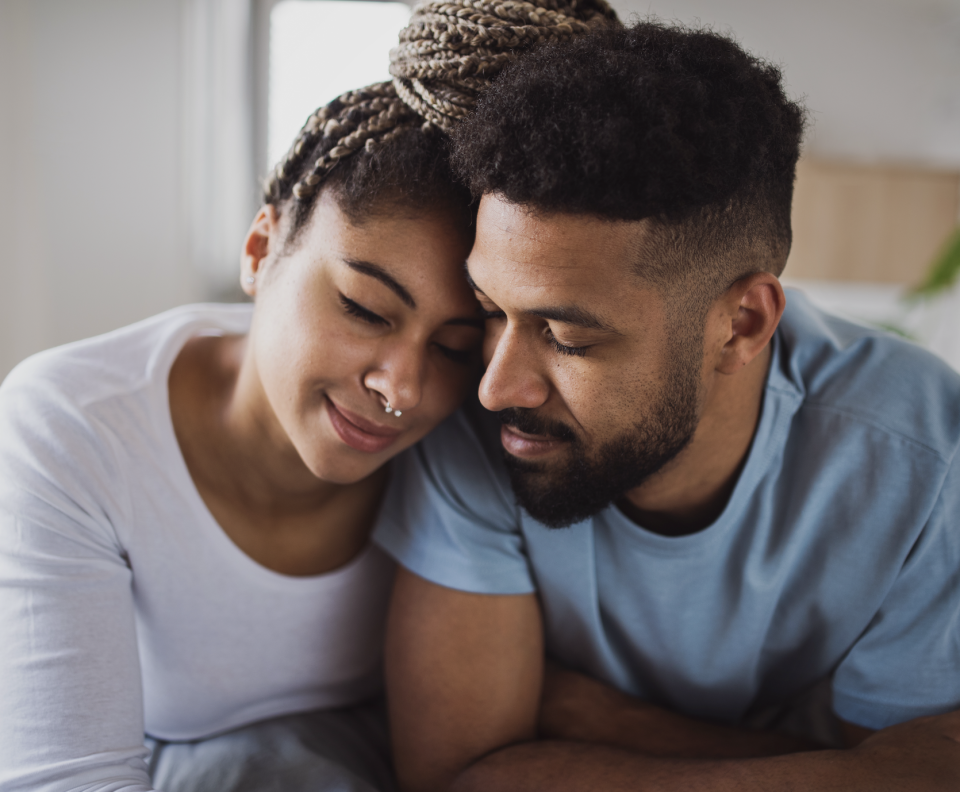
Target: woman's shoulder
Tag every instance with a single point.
(86, 371)
(88, 410)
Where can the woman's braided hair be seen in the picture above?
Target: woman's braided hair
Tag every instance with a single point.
(389, 137)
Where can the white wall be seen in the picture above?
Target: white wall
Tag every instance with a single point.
(89, 169)
(880, 77)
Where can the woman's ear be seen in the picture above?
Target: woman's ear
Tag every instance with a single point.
(750, 312)
(261, 241)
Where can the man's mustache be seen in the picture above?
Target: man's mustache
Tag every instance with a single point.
(526, 420)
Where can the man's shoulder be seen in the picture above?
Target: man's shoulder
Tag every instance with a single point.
(450, 516)
(464, 457)
(867, 377)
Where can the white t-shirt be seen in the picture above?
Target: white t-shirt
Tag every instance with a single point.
(124, 608)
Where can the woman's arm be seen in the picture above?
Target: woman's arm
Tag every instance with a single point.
(70, 688)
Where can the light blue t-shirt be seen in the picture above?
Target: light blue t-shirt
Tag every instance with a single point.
(837, 554)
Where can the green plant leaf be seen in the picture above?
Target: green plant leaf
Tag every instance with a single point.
(896, 329)
(944, 270)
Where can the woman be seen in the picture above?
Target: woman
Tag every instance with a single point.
(185, 503)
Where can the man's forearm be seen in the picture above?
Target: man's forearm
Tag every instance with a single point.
(580, 709)
(655, 731)
(578, 767)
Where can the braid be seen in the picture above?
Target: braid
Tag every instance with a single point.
(447, 55)
(350, 122)
(450, 51)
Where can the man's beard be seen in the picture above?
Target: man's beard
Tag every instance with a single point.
(586, 484)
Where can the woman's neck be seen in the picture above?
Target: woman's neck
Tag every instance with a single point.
(248, 472)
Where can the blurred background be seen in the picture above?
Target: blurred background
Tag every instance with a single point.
(134, 133)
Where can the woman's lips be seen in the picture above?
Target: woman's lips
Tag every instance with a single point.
(358, 432)
(527, 446)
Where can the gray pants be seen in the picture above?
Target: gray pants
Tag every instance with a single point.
(345, 750)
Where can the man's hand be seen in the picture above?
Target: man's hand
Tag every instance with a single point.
(579, 708)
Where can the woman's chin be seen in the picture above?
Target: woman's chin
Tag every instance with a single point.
(344, 468)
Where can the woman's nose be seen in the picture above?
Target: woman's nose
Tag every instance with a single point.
(398, 375)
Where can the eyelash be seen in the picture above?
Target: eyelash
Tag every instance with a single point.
(361, 313)
(563, 349)
(463, 357)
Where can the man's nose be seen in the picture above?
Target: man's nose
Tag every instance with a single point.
(513, 377)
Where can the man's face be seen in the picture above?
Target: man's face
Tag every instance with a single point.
(596, 386)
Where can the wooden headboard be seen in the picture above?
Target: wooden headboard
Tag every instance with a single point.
(879, 224)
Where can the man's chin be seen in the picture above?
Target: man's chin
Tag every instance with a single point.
(544, 491)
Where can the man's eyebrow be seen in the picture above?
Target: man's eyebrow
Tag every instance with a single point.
(573, 315)
(378, 272)
(568, 314)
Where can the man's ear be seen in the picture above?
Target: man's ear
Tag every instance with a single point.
(749, 312)
(261, 241)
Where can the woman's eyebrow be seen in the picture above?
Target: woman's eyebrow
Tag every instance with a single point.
(378, 272)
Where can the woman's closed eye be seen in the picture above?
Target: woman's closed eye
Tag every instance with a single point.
(363, 314)
(462, 356)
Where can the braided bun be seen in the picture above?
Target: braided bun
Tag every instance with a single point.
(451, 51)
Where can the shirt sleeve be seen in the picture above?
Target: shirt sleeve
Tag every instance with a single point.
(907, 662)
(70, 688)
(450, 516)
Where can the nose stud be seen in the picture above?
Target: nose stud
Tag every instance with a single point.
(388, 409)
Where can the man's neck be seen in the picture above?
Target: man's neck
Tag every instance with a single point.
(690, 493)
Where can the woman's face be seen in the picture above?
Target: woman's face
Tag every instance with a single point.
(353, 317)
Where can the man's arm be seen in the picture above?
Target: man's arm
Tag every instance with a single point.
(464, 677)
(464, 673)
(918, 756)
(579, 708)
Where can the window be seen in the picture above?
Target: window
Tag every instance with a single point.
(320, 49)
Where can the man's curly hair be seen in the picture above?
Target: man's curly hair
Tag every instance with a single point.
(673, 125)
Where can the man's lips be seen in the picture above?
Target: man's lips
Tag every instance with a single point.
(358, 432)
(527, 446)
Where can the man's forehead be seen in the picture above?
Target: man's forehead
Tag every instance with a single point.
(576, 269)
(561, 239)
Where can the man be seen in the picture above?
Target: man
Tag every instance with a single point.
(699, 511)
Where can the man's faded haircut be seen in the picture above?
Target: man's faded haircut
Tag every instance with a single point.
(673, 125)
